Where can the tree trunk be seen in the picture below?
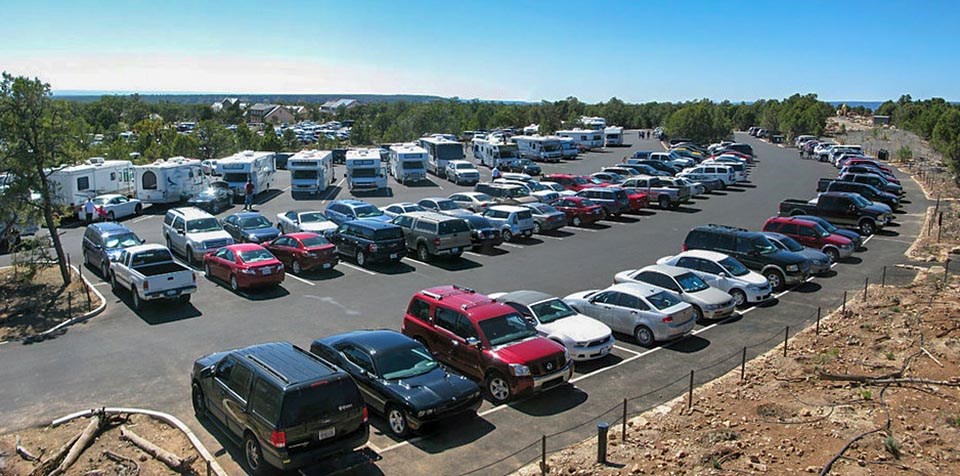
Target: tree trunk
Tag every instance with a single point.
(50, 221)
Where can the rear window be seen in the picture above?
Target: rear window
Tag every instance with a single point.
(453, 226)
(323, 399)
(151, 257)
(391, 233)
(525, 215)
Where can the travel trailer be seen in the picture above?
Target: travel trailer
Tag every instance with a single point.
(259, 167)
(591, 139)
(168, 181)
(538, 148)
(311, 171)
(494, 153)
(73, 184)
(439, 151)
(408, 163)
(365, 171)
(613, 136)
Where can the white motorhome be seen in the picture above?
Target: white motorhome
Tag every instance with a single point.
(259, 167)
(593, 123)
(168, 181)
(494, 153)
(531, 130)
(591, 139)
(408, 163)
(365, 171)
(568, 148)
(538, 148)
(439, 151)
(73, 184)
(311, 171)
(613, 136)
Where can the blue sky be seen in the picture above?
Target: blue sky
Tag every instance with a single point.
(520, 50)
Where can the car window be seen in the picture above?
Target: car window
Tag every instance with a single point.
(607, 297)
(358, 358)
(708, 266)
(291, 215)
(221, 253)
(744, 245)
(663, 300)
(733, 266)
(426, 226)
(628, 301)
(265, 400)
(420, 309)
(464, 328)
(403, 221)
(282, 241)
(446, 319)
(453, 226)
(239, 380)
(808, 231)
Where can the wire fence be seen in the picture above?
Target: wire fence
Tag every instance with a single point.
(618, 414)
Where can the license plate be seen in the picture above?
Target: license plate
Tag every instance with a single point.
(326, 265)
(455, 250)
(172, 292)
(393, 256)
(265, 271)
(327, 433)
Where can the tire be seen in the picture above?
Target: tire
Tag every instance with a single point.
(537, 229)
(253, 455)
(215, 208)
(644, 336)
(867, 228)
(397, 421)
(361, 258)
(833, 254)
(114, 285)
(739, 297)
(296, 267)
(603, 214)
(137, 211)
(105, 269)
(697, 313)
(199, 402)
(169, 244)
(111, 216)
(206, 271)
(135, 299)
(664, 202)
(577, 221)
(184, 299)
(423, 254)
(507, 235)
(189, 256)
(776, 279)
(497, 388)
(234, 285)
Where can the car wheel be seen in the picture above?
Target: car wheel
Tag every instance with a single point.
(114, 285)
(776, 280)
(664, 202)
(833, 254)
(739, 297)
(234, 285)
(296, 267)
(497, 388)
(537, 229)
(397, 420)
(206, 271)
(189, 256)
(697, 313)
(183, 299)
(867, 228)
(169, 245)
(423, 254)
(137, 211)
(199, 403)
(603, 214)
(252, 455)
(105, 269)
(507, 235)
(111, 216)
(643, 336)
(577, 221)
(215, 208)
(361, 258)
(86, 259)
(135, 297)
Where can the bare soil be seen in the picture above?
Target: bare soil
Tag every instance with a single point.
(938, 239)
(28, 307)
(44, 441)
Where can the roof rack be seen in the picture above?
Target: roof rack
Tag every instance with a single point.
(481, 302)
(728, 227)
(268, 368)
(457, 289)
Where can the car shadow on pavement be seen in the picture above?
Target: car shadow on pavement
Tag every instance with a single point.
(623, 219)
(828, 273)
(453, 264)
(273, 292)
(851, 260)
(688, 345)
(427, 183)
(266, 196)
(559, 233)
(163, 313)
(391, 268)
(329, 194)
(643, 213)
(717, 193)
(450, 433)
(490, 251)
(808, 287)
(686, 209)
(527, 241)
(381, 192)
(551, 402)
(321, 275)
(581, 368)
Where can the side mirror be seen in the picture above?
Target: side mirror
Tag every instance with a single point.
(207, 372)
(723, 275)
(180, 231)
(143, 240)
(474, 342)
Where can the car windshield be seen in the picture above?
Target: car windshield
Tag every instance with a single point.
(586, 202)
(367, 211)
(823, 223)
(125, 240)
(506, 329)
(790, 244)
(463, 166)
(255, 223)
(203, 225)
(482, 197)
(447, 205)
(820, 230)
(691, 283)
(764, 246)
(405, 363)
(733, 266)
(595, 181)
(207, 192)
(579, 180)
(536, 186)
(255, 256)
(477, 222)
(663, 300)
(859, 200)
(315, 241)
(312, 217)
(552, 310)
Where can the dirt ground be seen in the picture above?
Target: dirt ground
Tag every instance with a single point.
(937, 243)
(31, 307)
(45, 441)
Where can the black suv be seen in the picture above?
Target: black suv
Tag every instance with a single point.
(289, 407)
(369, 241)
(754, 250)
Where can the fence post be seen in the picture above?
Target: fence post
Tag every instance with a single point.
(844, 303)
(690, 392)
(939, 226)
(865, 282)
(623, 427)
(743, 364)
(602, 429)
(786, 335)
(209, 469)
(946, 270)
(70, 304)
(818, 320)
(883, 277)
(543, 454)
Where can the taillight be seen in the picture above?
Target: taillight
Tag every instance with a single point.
(278, 439)
(685, 247)
(436, 241)
(366, 414)
(667, 319)
(373, 247)
(146, 285)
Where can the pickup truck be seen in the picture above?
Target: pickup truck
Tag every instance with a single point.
(875, 180)
(665, 195)
(840, 208)
(865, 190)
(150, 273)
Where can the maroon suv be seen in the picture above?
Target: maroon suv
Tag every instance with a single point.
(486, 340)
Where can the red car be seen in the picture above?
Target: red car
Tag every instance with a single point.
(638, 199)
(575, 183)
(812, 235)
(868, 162)
(746, 157)
(304, 251)
(244, 266)
(487, 341)
(579, 210)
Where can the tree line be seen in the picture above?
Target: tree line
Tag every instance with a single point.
(934, 119)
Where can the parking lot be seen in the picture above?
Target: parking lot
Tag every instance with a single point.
(122, 358)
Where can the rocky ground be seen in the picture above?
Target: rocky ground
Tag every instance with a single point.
(31, 306)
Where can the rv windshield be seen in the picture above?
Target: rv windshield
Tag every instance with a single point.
(203, 225)
(303, 174)
(413, 164)
(364, 173)
(450, 151)
(551, 146)
(235, 177)
(255, 223)
(506, 152)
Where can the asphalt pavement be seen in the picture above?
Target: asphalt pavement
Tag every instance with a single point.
(122, 358)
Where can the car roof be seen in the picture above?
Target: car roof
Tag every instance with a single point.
(248, 214)
(190, 213)
(372, 340)
(436, 199)
(430, 215)
(667, 269)
(349, 202)
(525, 297)
(475, 306)
(109, 228)
(241, 247)
(301, 235)
(797, 220)
(507, 208)
(374, 224)
(286, 364)
(705, 254)
(635, 289)
(304, 210)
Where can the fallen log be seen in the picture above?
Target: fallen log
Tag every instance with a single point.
(890, 379)
(86, 437)
(857, 378)
(50, 464)
(24, 453)
(172, 461)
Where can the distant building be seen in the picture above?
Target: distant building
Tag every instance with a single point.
(268, 113)
(331, 107)
(881, 120)
(224, 103)
(297, 110)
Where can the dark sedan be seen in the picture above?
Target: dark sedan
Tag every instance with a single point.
(250, 227)
(212, 199)
(399, 378)
(524, 166)
(482, 233)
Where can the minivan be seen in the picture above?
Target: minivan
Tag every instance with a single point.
(613, 199)
(103, 241)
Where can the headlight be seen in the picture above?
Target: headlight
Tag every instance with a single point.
(792, 268)
(248, 271)
(253, 238)
(423, 413)
(519, 370)
(199, 246)
(712, 307)
(566, 355)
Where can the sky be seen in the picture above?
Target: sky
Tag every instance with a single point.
(525, 50)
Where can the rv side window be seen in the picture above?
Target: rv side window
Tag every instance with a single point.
(83, 183)
(149, 180)
(113, 176)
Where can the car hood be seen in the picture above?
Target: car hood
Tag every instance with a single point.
(202, 199)
(318, 226)
(210, 235)
(578, 298)
(814, 255)
(710, 295)
(271, 232)
(786, 257)
(577, 327)
(529, 350)
(433, 388)
(878, 208)
(751, 277)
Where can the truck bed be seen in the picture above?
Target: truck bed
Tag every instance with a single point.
(161, 268)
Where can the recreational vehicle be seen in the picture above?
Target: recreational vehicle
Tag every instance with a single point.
(365, 171)
(168, 181)
(493, 153)
(531, 130)
(538, 148)
(568, 148)
(408, 163)
(439, 151)
(259, 167)
(590, 139)
(311, 171)
(73, 184)
(613, 136)
(593, 123)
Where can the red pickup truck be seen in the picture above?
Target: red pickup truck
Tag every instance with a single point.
(486, 340)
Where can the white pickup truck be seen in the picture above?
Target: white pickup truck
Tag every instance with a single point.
(149, 273)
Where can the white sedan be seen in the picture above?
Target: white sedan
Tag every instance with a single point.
(724, 272)
(305, 220)
(114, 207)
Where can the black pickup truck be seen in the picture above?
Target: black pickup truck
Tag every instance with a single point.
(873, 179)
(863, 189)
(840, 208)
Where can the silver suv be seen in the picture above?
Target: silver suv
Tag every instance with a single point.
(431, 234)
(193, 233)
(512, 221)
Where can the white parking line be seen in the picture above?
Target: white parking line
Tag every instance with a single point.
(407, 258)
(286, 188)
(511, 245)
(101, 284)
(626, 350)
(588, 229)
(551, 237)
(144, 218)
(373, 447)
(471, 253)
(351, 266)
(298, 278)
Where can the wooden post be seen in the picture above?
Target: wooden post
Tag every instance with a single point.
(602, 429)
(543, 454)
(844, 303)
(883, 277)
(818, 320)
(690, 392)
(865, 282)
(786, 336)
(623, 426)
(743, 364)
(939, 226)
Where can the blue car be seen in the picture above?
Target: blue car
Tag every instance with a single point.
(250, 227)
(103, 242)
(342, 211)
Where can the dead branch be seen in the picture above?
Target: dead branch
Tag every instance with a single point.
(47, 466)
(944, 333)
(925, 351)
(173, 461)
(884, 429)
(857, 378)
(122, 460)
(89, 434)
(24, 453)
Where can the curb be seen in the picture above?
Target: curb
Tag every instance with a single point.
(212, 465)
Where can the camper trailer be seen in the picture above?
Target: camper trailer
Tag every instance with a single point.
(568, 148)
(538, 148)
(593, 123)
(311, 171)
(439, 151)
(590, 139)
(168, 181)
(494, 153)
(613, 136)
(97, 176)
(408, 163)
(259, 167)
(365, 171)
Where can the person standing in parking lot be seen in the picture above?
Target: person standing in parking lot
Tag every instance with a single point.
(248, 195)
(496, 172)
(89, 208)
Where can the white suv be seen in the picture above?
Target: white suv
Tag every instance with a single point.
(724, 174)
(193, 233)
(511, 220)
(462, 171)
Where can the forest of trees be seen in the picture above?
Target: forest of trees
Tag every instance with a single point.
(935, 120)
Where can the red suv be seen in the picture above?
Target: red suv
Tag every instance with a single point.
(486, 340)
(579, 210)
(812, 235)
(575, 183)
